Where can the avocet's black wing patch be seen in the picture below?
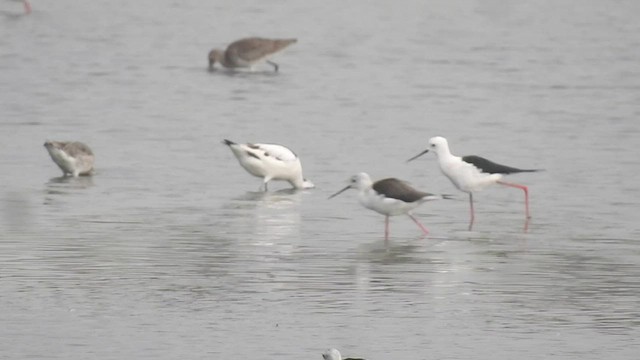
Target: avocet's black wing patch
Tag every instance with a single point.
(253, 155)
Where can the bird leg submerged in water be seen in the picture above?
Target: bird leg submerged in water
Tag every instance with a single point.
(275, 66)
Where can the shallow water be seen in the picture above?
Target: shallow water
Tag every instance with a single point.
(170, 252)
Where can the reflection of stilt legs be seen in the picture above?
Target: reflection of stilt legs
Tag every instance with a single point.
(386, 228)
(472, 211)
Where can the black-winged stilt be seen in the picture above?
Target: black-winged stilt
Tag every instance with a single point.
(472, 173)
(388, 197)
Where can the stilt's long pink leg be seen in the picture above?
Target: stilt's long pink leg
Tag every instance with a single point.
(424, 229)
(526, 194)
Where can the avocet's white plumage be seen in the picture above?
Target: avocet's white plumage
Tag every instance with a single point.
(472, 173)
(334, 354)
(388, 197)
(73, 158)
(270, 162)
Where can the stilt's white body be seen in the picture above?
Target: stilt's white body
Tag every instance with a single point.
(381, 204)
(463, 175)
(73, 158)
(270, 162)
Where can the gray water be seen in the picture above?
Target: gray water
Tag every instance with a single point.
(169, 252)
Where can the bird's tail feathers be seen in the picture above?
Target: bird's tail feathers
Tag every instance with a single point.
(431, 197)
(283, 43)
(530, 170)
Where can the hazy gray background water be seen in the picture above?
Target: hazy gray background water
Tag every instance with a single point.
(169, 253)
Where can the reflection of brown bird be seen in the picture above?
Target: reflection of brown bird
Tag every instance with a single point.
(73, 158)
(245, 53)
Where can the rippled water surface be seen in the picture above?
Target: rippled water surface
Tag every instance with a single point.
(170, 252)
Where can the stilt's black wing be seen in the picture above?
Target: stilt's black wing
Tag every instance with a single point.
(490, 167)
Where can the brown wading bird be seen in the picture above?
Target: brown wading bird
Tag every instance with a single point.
(74, 158)
(246, 53)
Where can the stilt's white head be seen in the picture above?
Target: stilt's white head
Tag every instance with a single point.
(332, 354)
(359, 181)
(437, 144)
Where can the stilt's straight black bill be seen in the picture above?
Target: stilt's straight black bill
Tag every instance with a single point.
(340, 192)
(417, 156)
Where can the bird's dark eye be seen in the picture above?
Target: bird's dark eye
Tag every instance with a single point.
(433, 145)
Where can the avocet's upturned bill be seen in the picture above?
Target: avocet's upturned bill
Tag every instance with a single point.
(388, 197)
(270, 162)
(472, 173)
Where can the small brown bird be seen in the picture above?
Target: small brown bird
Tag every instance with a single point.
(73, 158)
(245, 53)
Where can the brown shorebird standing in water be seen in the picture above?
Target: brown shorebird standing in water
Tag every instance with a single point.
(73, 158)
(245, 53)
